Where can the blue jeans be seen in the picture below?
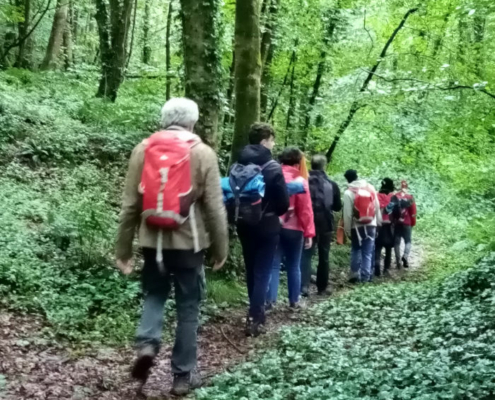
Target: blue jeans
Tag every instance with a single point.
(362, 252)
(290, 247)
(259, 251)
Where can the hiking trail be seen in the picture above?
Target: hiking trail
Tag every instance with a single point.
(34, 367)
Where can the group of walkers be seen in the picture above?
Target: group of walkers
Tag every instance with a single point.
(175, 197)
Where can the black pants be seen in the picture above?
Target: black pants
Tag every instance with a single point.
(385, 240)
(259, 251)
(322, 241)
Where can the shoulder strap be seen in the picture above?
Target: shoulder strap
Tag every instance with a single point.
(267, 164)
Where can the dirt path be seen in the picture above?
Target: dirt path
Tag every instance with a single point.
(32, 367)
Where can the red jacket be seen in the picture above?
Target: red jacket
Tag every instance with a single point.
(300, 214)
(410, 213)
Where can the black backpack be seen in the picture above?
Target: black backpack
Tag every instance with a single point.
(322, 200)
(246, 182)
(399, 209)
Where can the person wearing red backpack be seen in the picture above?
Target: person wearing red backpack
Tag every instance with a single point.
(404, 222)
(172, 193)
(361, 218)
(385, 234)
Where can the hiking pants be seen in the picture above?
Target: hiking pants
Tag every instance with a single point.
(402, 232)
(362, 252)
(259, 251)
(184, 269)
(290, 247)
(322, 242)
(384, 240)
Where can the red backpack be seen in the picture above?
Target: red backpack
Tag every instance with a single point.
(166, 179)
(364, 205)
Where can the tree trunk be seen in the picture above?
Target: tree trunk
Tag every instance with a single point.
(228, 118)
(56, 37)
(131, 46)
(479, 27)
(113, 28)
(23, 55)
(247, 71)
(267, 53)
(292, 100)
(68, 54)
(202, 63)
(146, 33)
(168, 60)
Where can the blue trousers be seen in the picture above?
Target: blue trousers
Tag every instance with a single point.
(290, 248)
(362, 252)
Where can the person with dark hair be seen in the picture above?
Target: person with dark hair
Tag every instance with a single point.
(385, 235)
(361, 218)
(298, 229)
(259, 241)
(325, 198)
(405, 220)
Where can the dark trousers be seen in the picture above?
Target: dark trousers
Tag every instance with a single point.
(322, 242)
(259, 251)
(384, 240)
(184, 269)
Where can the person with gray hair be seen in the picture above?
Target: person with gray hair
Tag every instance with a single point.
(325, 198)
(177, 171)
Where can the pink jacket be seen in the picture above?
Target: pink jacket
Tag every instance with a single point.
(300, 214)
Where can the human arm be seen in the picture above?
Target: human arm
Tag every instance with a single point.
(337, 201)
(214, 210)
(276, 189)
(378, 212)
(348, 207)
(130, 214)
(413, 212)
(304, 212)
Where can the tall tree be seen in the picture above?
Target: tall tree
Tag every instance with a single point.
(56, 36)
(146, 33)
(247, 71)
(23, 54)
(202, 63)
(168, 60)
(113, 19)
(133, 32)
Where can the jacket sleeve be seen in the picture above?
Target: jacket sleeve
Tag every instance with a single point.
(378, 211)
(413, 212)
(348, 207)
(130, 214)
(215, 214)
(304, 212)
(276, 189)
(337, 201)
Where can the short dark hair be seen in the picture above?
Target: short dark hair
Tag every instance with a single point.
(318, 162)
(291, 156)
(260, 131)
(351, 175)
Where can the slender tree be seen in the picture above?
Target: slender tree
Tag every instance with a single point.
(247, 71)
(133, 33)
(23, 54)
(202, 63)
(113, 21)
(56, 36)
(146, 33)
(168, 60)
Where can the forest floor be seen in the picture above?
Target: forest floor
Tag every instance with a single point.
(34, 367)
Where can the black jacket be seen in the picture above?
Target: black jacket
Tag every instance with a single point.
(276, 200)
(336, 203)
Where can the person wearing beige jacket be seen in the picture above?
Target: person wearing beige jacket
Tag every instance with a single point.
(183, 251)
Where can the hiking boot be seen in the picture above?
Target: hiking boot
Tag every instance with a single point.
(378, 273)
(184, 383)
(326, 292)
(269, 307)
(405, 263)
(145, 358)
(305, 291)
(353, 281)
(254, 328)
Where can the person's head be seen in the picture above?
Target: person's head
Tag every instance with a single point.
(261, 133)
(351, 175)
(404, 186)
(319, 162)
(291, 156)
(180, 112)
(387, 186)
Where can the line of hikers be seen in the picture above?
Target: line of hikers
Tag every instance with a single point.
(175, 197)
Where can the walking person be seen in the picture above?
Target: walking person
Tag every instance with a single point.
(385, 234)
(260, 240)
(361, 218)
(325, 199)
(405, 221)
(298, 230)
(172, 192)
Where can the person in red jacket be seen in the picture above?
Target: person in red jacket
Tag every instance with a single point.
(385, 235)
(298, 231)
(404, 224)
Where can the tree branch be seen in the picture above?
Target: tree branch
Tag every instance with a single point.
(355, 105)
